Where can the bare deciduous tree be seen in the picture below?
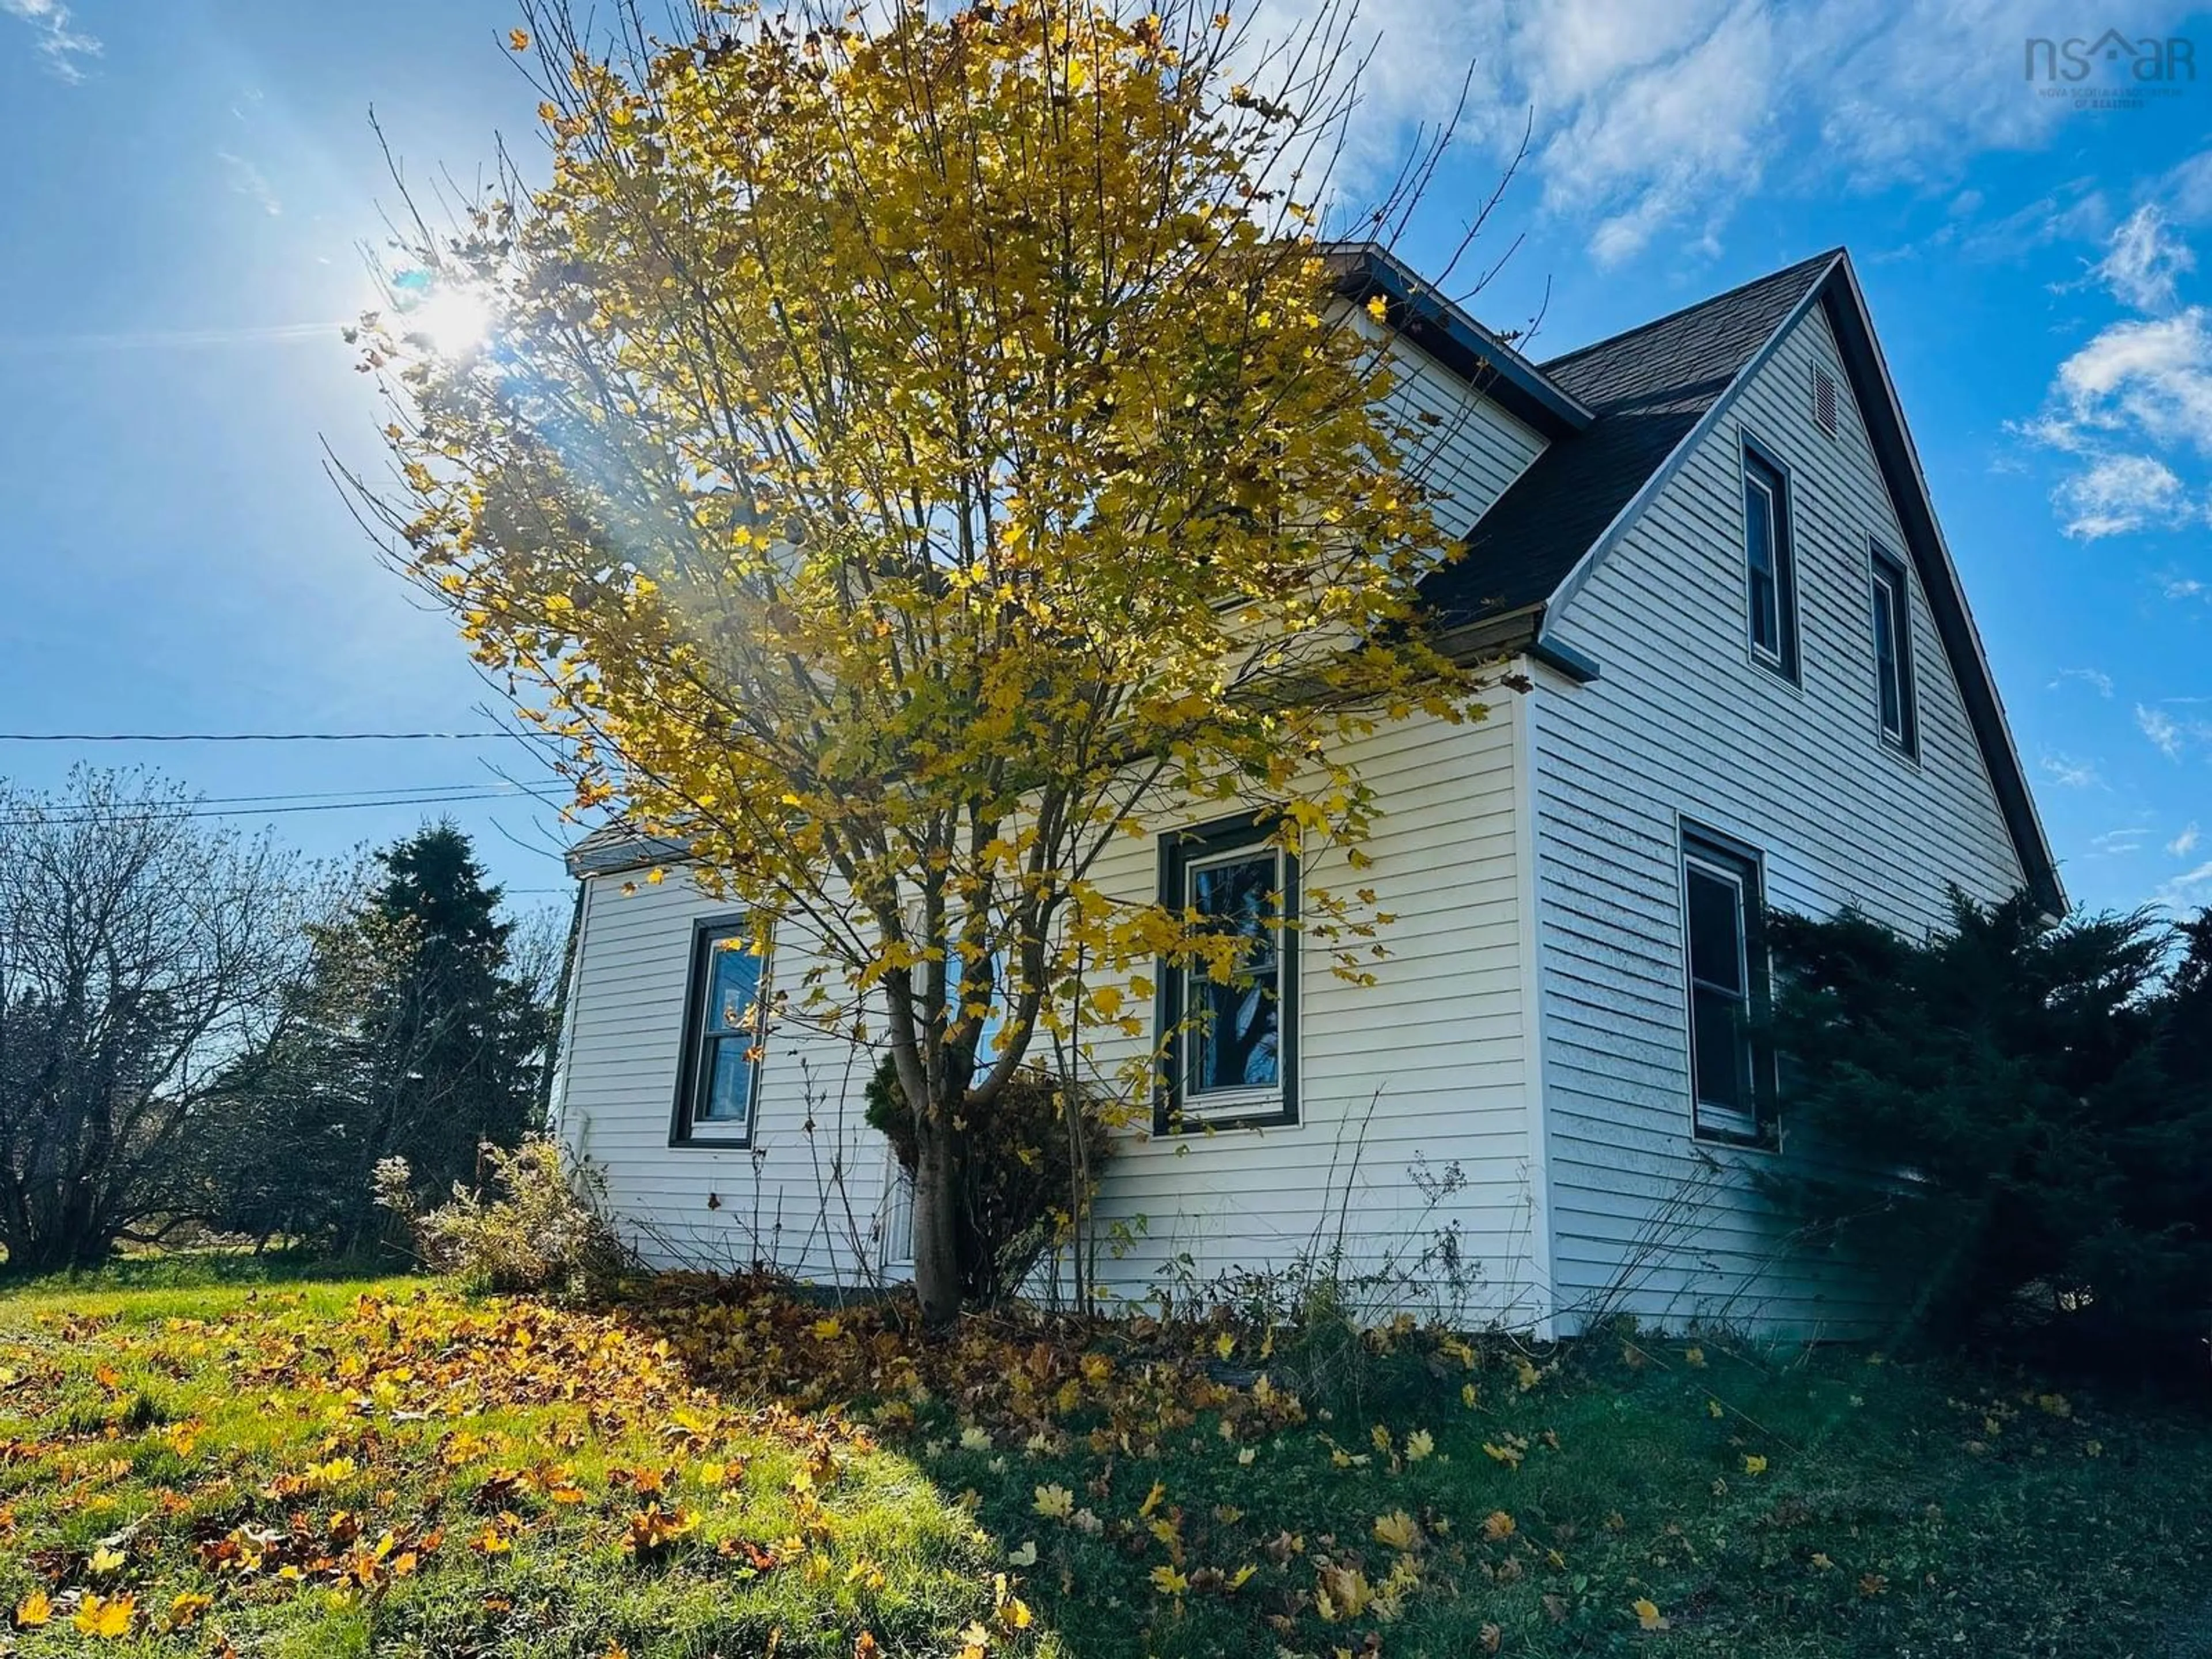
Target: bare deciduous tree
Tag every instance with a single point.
(142, 954)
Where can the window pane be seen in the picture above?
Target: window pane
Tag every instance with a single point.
(1766, 613)
(1887, 677)
(733, 985)
(1236, 1037)
(1716, 925)
(1721, 1049)
(1758, 525)
(728, 1095)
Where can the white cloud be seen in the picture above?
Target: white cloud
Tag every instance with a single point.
(2069, 774)
(2162, 729)
(2095, 679)
(59, 42)
(2170, 736)
(2118, 494)
(2187, 588)
(2152, 376)
(248, 180)
(2144, 260)
(2184, 843)
(1658, 117)
(2113, 843)
(2187, 891)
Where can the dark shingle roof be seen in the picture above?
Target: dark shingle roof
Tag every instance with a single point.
(1648, 388)
(614, 847)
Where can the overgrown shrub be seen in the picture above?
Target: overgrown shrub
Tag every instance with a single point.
(2017, 1117)
(543, 1234)
(1019, 1196)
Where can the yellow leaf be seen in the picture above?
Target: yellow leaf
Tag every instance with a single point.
(1419, 1444)
(1648, 1615)
(33, 1610)
(1695, 1357)
(518, 38)
(106, 1560)
(1152, 1499)
(1754, 1464)
(1242, 1577)
(109, 1619)
(1399, 1530)
(1225, 1345)
(1056, 1502)
(1168, 1582)
(1023, 1556)
(185, 1611)
(1378, 308)
(1498, 1525)
(828, 1330)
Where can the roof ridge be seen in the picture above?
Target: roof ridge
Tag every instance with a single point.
(1822, 259)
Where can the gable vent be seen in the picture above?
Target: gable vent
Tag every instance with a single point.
(1824, 401)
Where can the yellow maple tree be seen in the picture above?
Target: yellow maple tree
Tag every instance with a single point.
(910, 455)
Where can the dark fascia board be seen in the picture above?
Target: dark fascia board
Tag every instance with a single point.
(1427, 320)
(1892, 442)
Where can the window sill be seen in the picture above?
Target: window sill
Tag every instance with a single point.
(1254, 1111)
(709, 1144)
(1742, 1136)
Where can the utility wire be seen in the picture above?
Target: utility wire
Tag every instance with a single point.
(252, 736)
(67, 819)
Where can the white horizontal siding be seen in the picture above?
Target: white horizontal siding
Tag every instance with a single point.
(1429, 1065)
(813, 1181)
(1465, 448)
(1682, 724)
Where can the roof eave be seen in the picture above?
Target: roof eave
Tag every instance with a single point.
(1427, 320)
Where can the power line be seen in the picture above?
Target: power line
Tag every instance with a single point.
(362, 795)
(252, 736)
(67, 819)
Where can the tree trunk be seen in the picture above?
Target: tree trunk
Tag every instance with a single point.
(936, 1208)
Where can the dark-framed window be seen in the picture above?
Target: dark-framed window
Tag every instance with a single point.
(1769, 564)
(1229, 1055)
(1893, 651)
(1732, 1079)
(725, 1026)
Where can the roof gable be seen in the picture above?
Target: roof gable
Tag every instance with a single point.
(1648, 389)
(1655, 391)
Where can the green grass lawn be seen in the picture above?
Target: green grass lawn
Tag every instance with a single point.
(296, 1468)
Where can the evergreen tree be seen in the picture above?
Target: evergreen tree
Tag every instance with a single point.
(2018, 1117)
(414, 1036)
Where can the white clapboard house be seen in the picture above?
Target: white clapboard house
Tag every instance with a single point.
(1708, 544)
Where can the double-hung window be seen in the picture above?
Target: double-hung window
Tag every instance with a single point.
(724, 1028)
(1731, 1069)
(1769, 579)
(1229, 1019)
(1893, 652)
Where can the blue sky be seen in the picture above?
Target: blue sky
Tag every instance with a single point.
(189, 184)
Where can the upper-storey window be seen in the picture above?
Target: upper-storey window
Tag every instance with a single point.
(1893, 651)
(1770, 579)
